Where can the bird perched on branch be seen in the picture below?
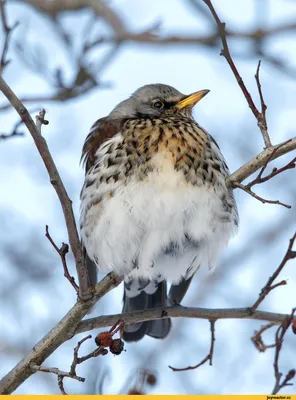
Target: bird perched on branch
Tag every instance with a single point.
(154, 206)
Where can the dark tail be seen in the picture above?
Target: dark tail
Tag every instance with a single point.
(158, 329)
(177, 292)
(91, 269)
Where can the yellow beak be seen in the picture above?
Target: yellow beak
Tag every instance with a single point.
(192, 99)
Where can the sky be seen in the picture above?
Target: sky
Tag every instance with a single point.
(28, 202)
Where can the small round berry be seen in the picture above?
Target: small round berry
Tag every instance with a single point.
(116, 346)
(104, 339)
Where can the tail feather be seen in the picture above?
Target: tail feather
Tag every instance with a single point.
(91, 269)
(159, 328)
(137, 331)
(177, 292)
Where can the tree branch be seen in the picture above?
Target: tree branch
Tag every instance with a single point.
(258, 341)
(178, 312)
(63, 331)
(56, 181)
(259, 179)
(71, 325)
(259, 161)
(279, 338)
(209, 357)
(262, 123)
(7, 33)
(253, 194)
(54, 7)
(62, 253)
(290, 254)
(76, 361)
(260, 116)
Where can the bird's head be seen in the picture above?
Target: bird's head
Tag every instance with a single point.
(156, 100)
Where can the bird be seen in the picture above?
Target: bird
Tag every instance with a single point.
(155, 205)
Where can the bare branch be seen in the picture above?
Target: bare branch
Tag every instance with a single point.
(275, 171)
(62, 332)
(209, 357)
(54, 7)
(7, 33)
(62, 253)
(99, 351)
(226, 53)
(4, 136)
(259, 161)
(55, 179)
(250, 192)
(60, 375)
(71, 325)
(178, 312)
(76, 360)
(15, 130)
(260, 116)
(262, 123)
(259, 179)
(258, 341)
(290, 254)
(279, 338)
(61, 95)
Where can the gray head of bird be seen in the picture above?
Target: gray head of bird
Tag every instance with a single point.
(157, 100)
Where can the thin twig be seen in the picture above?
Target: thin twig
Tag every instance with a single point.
(259, 161)
(58, 372)
(258, 341)
(61, 385)
(7, 33)
(209, 357)
(276, 171)
(279, 338)
(76, 360)
(226, 53)
(260, 116)
(15, 131)
(55, 179)
(262, 123)
(4, 136)
(259, 179)
(62, 332)
(62, 251)
(290, 254)
(250, 192)
(75, 356)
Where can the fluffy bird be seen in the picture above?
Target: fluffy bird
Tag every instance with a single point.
(154, 205)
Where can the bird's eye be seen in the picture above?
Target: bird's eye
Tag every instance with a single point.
(158, 104)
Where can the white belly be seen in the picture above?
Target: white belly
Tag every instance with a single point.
(132, 232)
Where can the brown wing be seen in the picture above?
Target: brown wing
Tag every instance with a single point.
(101, 130)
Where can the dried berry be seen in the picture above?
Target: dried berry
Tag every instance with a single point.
(134, 391)
(103, 339)
(116, 346)
(291, 374)
(151, 379)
